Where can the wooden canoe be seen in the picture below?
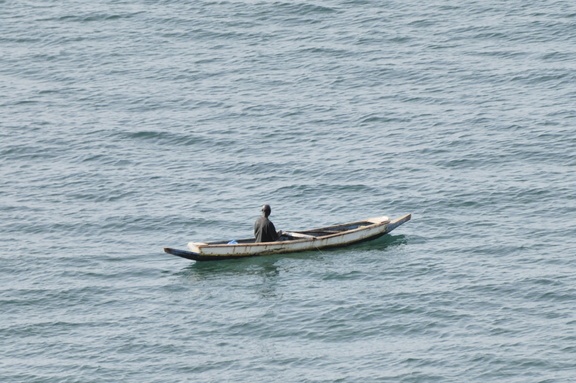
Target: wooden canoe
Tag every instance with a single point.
(292, 241)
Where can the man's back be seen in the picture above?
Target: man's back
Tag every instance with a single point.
(264, 230)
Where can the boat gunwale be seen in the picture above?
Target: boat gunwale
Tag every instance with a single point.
(371, 225)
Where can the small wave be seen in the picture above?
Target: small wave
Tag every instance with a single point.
(92, 17)
(304, 8)
(171, 139)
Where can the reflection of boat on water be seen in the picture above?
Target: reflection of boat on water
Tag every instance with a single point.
(292, 241)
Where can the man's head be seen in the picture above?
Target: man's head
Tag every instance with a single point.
(266, 210)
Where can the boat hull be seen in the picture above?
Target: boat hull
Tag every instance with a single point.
(299, 241)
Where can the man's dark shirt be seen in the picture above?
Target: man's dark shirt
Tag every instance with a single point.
(264, 230)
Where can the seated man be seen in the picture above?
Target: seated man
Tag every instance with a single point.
(264, 229)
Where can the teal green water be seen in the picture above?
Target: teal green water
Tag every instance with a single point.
(127, 126)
